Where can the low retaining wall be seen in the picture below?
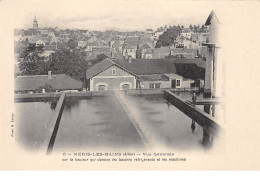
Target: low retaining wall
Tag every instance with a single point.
(85, 94)
(144, 91)
(202, 118)
(55, 122)
(36, 97)
(155, 91)
(55, 95)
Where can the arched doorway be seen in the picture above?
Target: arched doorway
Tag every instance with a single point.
(101, 86)
(125, 85)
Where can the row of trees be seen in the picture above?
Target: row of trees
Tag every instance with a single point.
(198, 28)
(69, 60)
(194, 28)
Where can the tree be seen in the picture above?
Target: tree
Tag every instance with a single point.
(168, 37)
(198, 28)
(101, 56)
(191, 28)
(69, 62)
(195, 29)
(190, 71)
(30, 60)
(98, 59)
(72, 44)
(203, 29)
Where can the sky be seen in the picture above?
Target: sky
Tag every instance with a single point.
(102, 15)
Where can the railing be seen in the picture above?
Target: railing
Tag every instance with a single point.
(202, 118)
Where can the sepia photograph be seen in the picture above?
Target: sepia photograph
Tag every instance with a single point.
(122, 82)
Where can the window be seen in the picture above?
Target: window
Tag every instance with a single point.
(178, 82)
(113, 71)
(152, 86)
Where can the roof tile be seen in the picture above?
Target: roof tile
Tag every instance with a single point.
(58, 82)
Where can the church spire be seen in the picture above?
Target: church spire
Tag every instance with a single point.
(35, 23)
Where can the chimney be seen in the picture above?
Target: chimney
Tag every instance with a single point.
(126, 55)
(49, 75)
(130, 59)
(112, 55)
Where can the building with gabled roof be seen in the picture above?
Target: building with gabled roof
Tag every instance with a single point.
(36, 40)
(35, 83)
(134, 73)
(130, 49)
(118, 46)
(142, 49)
(107, 75)
(156, 53)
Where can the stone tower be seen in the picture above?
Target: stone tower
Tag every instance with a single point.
(211, 61)
(215, 66)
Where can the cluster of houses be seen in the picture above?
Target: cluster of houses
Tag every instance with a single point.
(116, 44)
(132, 61)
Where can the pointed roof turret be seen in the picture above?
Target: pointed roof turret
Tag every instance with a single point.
(213, 23)
(211, 16)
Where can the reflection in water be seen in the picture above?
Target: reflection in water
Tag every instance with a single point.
(207, 139)
(71, 103)
(53, 104)
(188, 95)
(173, 129)
(193, 126)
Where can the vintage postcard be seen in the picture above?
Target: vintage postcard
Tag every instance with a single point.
(129, 85)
